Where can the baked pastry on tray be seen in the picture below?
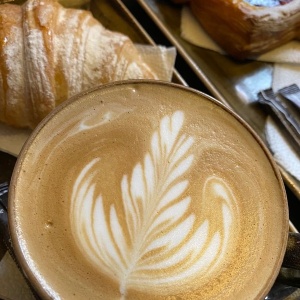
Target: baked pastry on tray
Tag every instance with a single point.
(247, 28)
(49, 53)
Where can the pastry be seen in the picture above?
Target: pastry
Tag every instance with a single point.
(247, 28)
(49, 53)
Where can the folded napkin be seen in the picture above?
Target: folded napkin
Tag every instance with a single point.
(12, 284)
(282, 152)
(286, 58)
(12, 139)
(285, 75)
(161, 60)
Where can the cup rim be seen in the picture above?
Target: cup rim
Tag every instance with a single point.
(11, 212)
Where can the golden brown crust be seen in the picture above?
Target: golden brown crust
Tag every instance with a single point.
(49, 53)
(243, 30)
(39, 63)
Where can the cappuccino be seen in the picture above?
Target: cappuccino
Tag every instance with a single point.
(147, 190)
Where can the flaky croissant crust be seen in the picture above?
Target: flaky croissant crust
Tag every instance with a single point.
(245, 31)
(49, 53)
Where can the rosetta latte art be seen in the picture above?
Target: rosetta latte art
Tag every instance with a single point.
(155, 243)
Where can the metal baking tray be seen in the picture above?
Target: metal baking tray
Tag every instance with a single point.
(236, 84)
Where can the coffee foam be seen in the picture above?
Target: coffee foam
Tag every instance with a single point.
(159, 235)
(149, 193)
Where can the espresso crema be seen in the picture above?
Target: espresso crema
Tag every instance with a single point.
(148, 191)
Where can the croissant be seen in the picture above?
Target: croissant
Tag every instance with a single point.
(49, 53)
(244, 30)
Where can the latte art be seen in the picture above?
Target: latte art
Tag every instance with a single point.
(155, 242)
(148, 191)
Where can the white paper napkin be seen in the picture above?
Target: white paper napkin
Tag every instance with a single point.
(161, 60)
(12, 139)
(283, 153)
(12, 283)
(285, 75)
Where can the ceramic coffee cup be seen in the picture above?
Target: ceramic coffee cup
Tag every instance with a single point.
(147, 190)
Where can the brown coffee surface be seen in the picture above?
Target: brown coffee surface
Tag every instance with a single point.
(148, 191)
